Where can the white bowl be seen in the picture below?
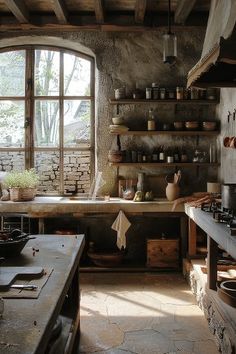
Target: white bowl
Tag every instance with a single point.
(117, 120)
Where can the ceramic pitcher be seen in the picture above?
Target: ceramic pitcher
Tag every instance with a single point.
(172, 191)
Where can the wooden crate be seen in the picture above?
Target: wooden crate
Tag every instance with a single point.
(163, 253)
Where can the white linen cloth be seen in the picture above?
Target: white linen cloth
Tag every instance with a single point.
(121, 225)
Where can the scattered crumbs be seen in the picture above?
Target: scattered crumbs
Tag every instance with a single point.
(35, 323)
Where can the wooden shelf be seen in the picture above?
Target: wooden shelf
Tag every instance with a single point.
(165, 164)
(138, 101)
(168, 132)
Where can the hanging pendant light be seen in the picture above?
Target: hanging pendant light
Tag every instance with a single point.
(169, 43)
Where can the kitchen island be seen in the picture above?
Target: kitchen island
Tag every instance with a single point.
(26, 325)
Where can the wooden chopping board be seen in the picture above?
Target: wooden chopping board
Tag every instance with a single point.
(9, 274)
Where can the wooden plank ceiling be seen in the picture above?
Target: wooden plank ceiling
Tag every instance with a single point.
(106, 15)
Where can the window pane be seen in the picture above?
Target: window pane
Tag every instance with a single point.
(46, 73)
(47, 166)
(12, 73)
(12, 123)
(12, 161)
(77, 171)
(76, 122)
(76, 76)
(46, 123)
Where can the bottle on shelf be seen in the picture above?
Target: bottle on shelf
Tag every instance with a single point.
(169, 155)
(212, 154)
(183, 156)
(162, 157)
(155, 155)
(176, 155)
(151, 124)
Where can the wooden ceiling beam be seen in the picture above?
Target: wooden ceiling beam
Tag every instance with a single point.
(183, 9)
(99, 11)
(19, 10)
(43, 23)
(60, 11)
(140, 9)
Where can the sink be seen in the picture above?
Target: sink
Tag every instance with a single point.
(81, 198)
(85, 198)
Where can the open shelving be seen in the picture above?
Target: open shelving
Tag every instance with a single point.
(138, 101)
(165, 164)
(167, 132)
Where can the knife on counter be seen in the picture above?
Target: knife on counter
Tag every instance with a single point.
(24, 286)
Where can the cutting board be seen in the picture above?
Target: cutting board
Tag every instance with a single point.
(9, 274)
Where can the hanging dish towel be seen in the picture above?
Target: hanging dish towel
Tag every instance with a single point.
(121, 225)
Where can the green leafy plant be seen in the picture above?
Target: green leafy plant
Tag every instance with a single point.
(24, 179)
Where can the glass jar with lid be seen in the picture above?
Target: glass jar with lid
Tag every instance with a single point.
(162, 93)
(155, 91)
(171, 93)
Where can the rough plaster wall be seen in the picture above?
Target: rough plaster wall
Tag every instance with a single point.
(228, 155)
(124, 59)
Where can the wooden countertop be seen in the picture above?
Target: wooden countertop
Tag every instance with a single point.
(217, 231)
(52, 206)
(27, 323)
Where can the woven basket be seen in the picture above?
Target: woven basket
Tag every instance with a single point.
(22, 194)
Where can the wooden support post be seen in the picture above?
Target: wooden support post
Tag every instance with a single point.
(212, 248)
(192, 237)
(183, 235)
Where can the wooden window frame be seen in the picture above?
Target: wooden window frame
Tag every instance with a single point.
(30, 99)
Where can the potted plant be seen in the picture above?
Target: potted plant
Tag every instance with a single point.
(22, 185)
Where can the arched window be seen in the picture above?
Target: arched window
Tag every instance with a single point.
(46, 115)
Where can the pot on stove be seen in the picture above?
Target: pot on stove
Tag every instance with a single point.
(228, 195)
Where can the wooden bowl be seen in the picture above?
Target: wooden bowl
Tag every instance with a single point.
(107, 259)
(208, 126)
(13, 248)
(192, 125)
(179, 125)
(117, 120)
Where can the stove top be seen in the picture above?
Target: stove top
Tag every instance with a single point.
(222, 215)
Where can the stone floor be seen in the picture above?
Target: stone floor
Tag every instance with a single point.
(141, 313)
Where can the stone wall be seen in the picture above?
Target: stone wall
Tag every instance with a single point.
(76, 168)
(11, 161)
(124, 59)
(76, 171)
(228, 155)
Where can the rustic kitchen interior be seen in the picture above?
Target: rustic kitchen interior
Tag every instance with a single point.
(117, 173)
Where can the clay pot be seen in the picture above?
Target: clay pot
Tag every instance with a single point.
(172, 191)
(115, 156)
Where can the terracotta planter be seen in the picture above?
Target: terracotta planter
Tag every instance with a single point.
(22, 194)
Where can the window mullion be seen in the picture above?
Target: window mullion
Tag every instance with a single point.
(61, 123)
(29, 156)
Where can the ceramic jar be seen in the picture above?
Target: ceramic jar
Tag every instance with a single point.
(141, 181)
(172, 191)
(115, 156)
